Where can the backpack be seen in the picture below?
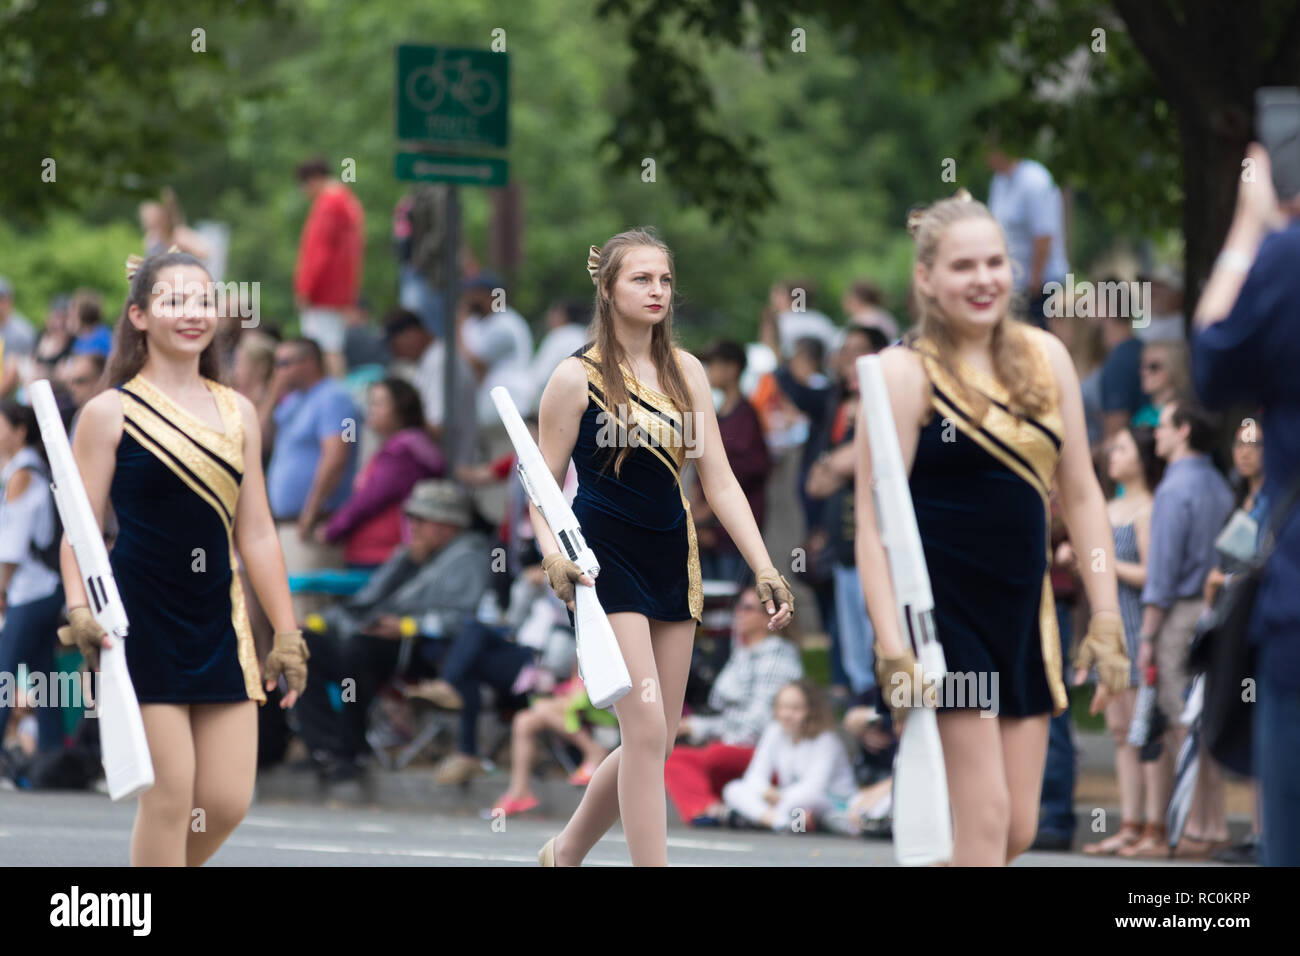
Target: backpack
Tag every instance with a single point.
(49, 555)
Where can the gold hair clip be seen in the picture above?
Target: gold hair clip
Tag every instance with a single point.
(914, 219)
(132, 266)
(962, 195)
(593, 264)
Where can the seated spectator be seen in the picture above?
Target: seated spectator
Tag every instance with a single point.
(1164, 375)
(254, 365)
(566, 332)
(425, 589)
(369, 524)
(477, 654)
(496, 342)
(801, 751)
(722, 744)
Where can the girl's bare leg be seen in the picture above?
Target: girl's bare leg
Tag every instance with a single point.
(225, 769)
(977, 787)
(1024, 756)
(163, 813)
(651, 710)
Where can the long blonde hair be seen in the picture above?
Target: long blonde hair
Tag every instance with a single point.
(671, 380)
(1014, 363)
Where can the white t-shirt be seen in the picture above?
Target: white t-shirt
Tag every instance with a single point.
(1027, 204)
(503, 341)
(27, 519)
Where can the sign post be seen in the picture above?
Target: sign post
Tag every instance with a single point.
(453, 118)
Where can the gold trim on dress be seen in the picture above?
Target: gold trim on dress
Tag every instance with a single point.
(228, 444)
(220, 483)
(244, 634)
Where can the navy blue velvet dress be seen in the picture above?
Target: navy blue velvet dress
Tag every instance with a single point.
(174, 491)
(637, 523)
(980, 491)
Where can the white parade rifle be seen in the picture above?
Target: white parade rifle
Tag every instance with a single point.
(922, 824)
(600, 662)
(127, 765)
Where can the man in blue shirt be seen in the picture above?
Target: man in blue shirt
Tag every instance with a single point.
(313, 431)
(1191, 505)
(1246, 353)
(1027, 204)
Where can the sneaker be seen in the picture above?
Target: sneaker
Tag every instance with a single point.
(457, 768)
(438, 692)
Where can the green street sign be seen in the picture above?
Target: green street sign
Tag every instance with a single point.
(471, 170)
(453, 97)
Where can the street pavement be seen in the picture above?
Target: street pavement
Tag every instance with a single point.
(87, 829)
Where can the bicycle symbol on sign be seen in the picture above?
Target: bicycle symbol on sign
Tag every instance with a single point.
(475, 90)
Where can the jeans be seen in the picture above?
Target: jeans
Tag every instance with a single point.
(479, 655)
(1276, 744)
(1056, 815)
(857, 654)
(28, 638)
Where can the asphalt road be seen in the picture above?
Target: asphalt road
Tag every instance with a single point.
(86, 829)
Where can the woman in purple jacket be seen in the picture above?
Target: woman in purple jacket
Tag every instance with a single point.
(370, 521)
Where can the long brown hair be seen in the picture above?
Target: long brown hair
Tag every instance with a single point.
(130, 345)
(671, 380)
(1014, 363)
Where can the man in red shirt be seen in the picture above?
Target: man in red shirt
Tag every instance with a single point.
(327, 278)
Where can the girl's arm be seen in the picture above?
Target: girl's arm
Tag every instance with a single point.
(559, 415)
(721, 488)
(909, 401)
(255, 535)
(94, 447)
(1082, 504)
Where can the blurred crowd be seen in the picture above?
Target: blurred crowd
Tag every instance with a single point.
(418, 584)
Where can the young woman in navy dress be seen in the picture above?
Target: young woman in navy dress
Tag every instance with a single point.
(990, 420)
(179, 458)
(630, 408)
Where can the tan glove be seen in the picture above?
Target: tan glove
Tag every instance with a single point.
(83, 632)
(1103, 645)
(562, 575)
(898, 678)
(288, 657)
(772, 587)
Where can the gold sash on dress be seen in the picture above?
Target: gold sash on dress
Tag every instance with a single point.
(661, 432)
(177, 438)
(1030, 448)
